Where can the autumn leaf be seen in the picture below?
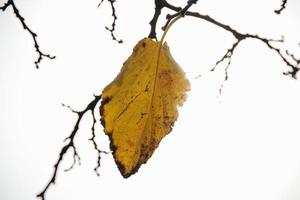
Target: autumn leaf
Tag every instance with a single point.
(139, 107)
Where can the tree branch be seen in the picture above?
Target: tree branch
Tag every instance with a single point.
(227, 55)
(70, 144)
(93, 140)
(289, 60)
(113, 25)
(159, 5)
(41, 55)
(3, 8)
(282, 7)
(179, 12)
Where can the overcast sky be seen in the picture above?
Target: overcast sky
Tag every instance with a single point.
(242, 144)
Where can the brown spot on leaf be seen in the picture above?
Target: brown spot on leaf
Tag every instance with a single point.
(136, 105)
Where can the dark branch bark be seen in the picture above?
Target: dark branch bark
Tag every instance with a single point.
(113, 25)
(228, 56)
(179, 12)
(100, 3)
(93, 140)
(159, 5)
(41, 55)
(289, 60)
(70, 143)
(282, 7)
(3, 8)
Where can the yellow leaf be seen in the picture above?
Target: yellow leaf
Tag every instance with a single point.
(140, 106)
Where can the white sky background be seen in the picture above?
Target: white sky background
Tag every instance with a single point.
(243, 144)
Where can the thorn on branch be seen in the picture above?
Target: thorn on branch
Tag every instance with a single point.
(41, 55)
(282, 7)
(113, 25)
(70, 143)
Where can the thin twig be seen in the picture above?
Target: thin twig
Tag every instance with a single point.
(159, 5)
(70, 142)
(289, 60)
(293, 64)
(282, 7)
(179, 12)
(41, 55)
(93, 140)
(228, 55)
(100, 3)
(113, 25)
(3, 8)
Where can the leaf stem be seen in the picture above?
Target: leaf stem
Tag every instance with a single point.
(167, 29)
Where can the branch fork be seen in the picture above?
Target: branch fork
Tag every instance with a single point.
(41, 54)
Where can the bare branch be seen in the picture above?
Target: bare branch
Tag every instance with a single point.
(179, 12)
(41, 55)
(294, 65)
(282, 7)
(293, 57)
(226, 76)
(288, 58)
(113, 25)
(295, 68)
(100, 3)
(159, 5)
(228, 55)
(92, 139)
(3, 8)
(70, 143)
